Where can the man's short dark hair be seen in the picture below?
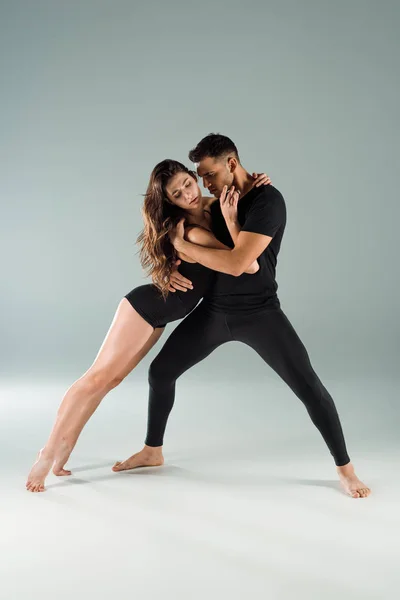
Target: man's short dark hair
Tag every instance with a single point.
(214, 145)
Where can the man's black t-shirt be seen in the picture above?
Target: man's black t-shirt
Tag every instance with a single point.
(262, 210)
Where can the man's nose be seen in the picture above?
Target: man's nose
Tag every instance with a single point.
(206, 184)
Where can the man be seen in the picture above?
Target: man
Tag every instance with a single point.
(240, 307)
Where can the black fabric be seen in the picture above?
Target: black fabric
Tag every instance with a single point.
(262, 211)
(149, 303)
(271, 335)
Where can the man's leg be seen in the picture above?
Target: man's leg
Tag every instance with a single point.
(272, 336)
(194, 339)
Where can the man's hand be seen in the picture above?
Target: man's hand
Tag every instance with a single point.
(229, 201)
(176, 234)
(178, 281)
(260, 179)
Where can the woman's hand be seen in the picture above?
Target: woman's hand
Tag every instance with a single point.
(260, 179)
(229, 201)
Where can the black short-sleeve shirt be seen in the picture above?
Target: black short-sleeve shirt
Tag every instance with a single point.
(263, 211)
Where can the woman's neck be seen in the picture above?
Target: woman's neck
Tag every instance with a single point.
(196, 215)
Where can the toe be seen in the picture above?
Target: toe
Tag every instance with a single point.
(123, 466)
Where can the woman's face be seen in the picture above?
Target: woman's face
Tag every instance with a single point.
(182, 189)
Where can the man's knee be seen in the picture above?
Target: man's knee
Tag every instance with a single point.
(161, 373)
(311, 390)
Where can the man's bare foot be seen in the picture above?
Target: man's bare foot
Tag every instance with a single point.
(148, 457)
(350, 482)
(39, 472)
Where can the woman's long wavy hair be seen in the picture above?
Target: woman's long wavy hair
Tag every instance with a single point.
(157, 254)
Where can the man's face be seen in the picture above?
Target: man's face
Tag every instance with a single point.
(215, 173)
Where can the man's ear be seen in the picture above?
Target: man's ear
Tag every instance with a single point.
(232, 164)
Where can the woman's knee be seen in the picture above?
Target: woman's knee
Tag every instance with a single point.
(101, 379)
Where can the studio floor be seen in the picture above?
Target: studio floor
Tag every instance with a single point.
(247, 504)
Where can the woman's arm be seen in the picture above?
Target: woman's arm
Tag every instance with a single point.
(202, 237)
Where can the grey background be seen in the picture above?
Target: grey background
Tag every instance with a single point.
(95, 93)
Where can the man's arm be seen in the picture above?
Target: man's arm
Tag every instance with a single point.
(199, 237)
(248, 248)
(264, 219)
(234, 230)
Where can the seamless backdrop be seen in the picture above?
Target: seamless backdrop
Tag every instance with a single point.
(95, 93)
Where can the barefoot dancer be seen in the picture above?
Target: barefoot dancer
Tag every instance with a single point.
(238, 307)
(142, 314)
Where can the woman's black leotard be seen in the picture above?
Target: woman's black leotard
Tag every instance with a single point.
(149, 303)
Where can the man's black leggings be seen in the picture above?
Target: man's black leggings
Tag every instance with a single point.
(269, 333)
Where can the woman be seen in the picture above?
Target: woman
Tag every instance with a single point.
(141, 316)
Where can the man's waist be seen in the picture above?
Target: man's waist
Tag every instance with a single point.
(241, 303)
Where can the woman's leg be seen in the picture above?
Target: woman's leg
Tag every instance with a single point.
(128, 340)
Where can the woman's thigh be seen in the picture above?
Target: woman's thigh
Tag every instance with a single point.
(127, 341)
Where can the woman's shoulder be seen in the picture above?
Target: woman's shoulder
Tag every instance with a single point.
(196, 233)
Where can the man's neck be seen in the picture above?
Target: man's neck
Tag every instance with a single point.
(242, 181)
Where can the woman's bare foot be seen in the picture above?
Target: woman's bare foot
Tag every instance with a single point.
(62, 457)
(350, 482)
(148, 457)
(39, 472)
(43, 464)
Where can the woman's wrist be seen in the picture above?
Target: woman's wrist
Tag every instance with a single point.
(180, 245)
